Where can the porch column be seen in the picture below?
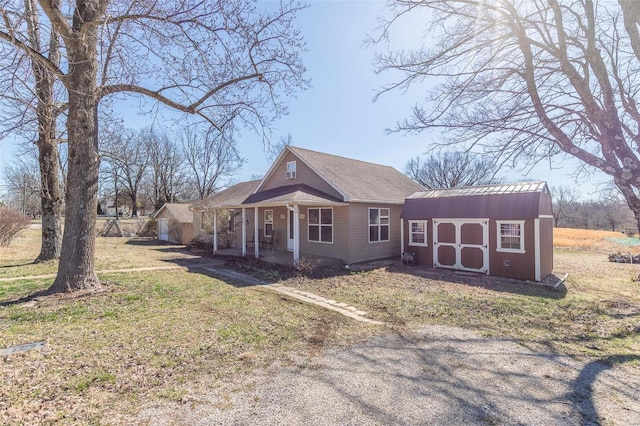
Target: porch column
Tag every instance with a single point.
(215, 231)
(244, 232)
(256, 233)
(296, 236)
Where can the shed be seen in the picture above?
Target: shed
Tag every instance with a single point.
(175, 223)
(503, 230)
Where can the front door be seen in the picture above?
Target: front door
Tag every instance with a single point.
(290, 231)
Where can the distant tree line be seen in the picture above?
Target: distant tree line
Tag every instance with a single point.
(608, 212)
(140, 170)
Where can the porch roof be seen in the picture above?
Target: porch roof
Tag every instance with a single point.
(291, 194)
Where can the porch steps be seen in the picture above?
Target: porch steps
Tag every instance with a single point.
(304, 296)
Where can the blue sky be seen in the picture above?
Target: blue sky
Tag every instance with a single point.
(337, 114)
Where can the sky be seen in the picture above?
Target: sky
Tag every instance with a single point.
(337, 114)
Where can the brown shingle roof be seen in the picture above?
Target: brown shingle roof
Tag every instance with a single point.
(180, 212)
(230, 197)
(359, 180)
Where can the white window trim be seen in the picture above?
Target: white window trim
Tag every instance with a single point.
(369, 225)
(320, 225)
(499, 239)
(268, 222)
(290, 172)
(426, 241)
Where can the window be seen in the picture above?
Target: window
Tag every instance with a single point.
(232, 221)
(268, 223)
(291, 170)
(320, 225)
(510, 236)
(418, 233)
(378, 225)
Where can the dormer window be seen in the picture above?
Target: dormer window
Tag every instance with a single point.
(291, 170)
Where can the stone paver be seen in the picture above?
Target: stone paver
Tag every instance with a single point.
(305, 296)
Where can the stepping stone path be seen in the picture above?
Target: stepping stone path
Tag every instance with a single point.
(304, 296)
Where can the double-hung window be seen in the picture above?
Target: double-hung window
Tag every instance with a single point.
(320, 225)
(510, 236)
(378, 225)
(418, 233)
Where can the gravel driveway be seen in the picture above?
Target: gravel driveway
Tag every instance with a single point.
(437, 375)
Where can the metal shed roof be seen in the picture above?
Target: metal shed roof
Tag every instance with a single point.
(508, 201)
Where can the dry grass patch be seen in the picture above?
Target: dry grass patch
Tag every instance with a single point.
(592, 240)
(150, 337)
(579, 319)
(111, 253)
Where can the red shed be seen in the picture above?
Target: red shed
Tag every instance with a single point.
(503, 230)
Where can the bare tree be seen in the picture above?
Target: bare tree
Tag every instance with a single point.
(24, 186)
(451, 169)
(275, 149)
(527, 80)
(126, 151)
(210, 158)
(563, 199)
(166, 168)
(31, 95)
(225, 62)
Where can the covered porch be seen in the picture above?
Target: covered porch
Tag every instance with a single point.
(271, 225)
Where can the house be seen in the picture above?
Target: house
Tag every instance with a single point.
(312, 204)
(501, 230)
(175, 223)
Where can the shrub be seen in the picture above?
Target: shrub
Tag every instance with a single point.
(11, 223)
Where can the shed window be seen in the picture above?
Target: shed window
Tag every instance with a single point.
(510, 236)
(378, 225)
(418, 233)
(320, 222)
(268, 223)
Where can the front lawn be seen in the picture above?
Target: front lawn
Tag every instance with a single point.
(164, 337)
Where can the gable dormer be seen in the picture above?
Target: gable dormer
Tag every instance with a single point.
(289, 169)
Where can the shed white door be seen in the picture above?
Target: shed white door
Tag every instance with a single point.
(461, 244)
(163, 229)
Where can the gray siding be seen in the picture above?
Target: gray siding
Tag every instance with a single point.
(339, 248)
(360, 249)
(304, 175)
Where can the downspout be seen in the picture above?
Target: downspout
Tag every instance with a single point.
(256, 233)
(401, 237)
(296, 234)
(215, 231)
(244, 232)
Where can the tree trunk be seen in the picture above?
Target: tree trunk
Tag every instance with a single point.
(50, 201)
(51, 205)
(134, 205)
(76, 270)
